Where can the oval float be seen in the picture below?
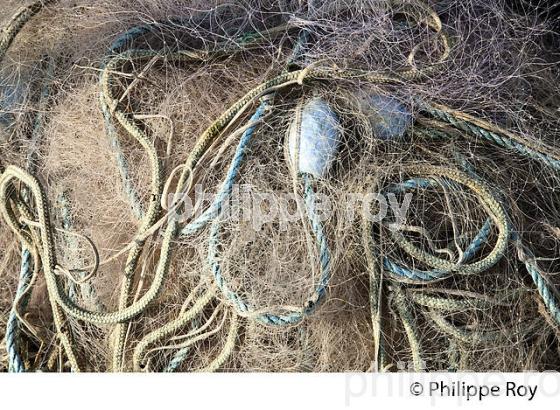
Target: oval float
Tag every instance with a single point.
(388, 117)
(314, 138)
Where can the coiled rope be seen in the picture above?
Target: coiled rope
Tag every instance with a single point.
(443, 268)
(37, 241)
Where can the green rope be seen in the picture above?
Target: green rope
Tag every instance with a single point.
(37, 237)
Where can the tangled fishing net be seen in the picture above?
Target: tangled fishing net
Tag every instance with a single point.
(413, 145)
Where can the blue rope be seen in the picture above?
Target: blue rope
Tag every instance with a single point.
(13, 326)
(320, 289)
(480, 239)
(181, 355)
(123, 41)
(547, 295)
(497, 139)
(224, 193)
(540, 282)
(415, 274)
(178, 358)
(214, 212)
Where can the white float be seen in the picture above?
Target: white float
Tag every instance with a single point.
(314, 138)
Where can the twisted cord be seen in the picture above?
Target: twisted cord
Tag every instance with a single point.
(180, 355)
(499, 139)
(16, 23)
(441, 267)
(214, 239)
(15, 362)
(548, 296)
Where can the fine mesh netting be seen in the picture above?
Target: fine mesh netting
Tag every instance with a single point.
(441, 117)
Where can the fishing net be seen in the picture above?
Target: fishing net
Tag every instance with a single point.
(279, 186)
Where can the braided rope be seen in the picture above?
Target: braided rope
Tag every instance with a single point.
(508, 141)
(15, 362)
(468, 301)
(170, 328)
(228, 345)
(463, 335)
(404, 311)
(214, 241)
(16, 23)
(442, 267)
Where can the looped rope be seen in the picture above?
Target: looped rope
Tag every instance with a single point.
(320, 290)
(37, 237)
(443, 268)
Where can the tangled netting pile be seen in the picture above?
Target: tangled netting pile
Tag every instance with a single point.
(417, 142)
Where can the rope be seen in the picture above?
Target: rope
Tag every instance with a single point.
(123, 41)
(494, 134)
(211, 213)
(170, 328)
(505, 139)
(17, 22)
(240, 305)
(549, 297)
(407, 320)
(443, 268)
(15, 362)
(35, 232)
